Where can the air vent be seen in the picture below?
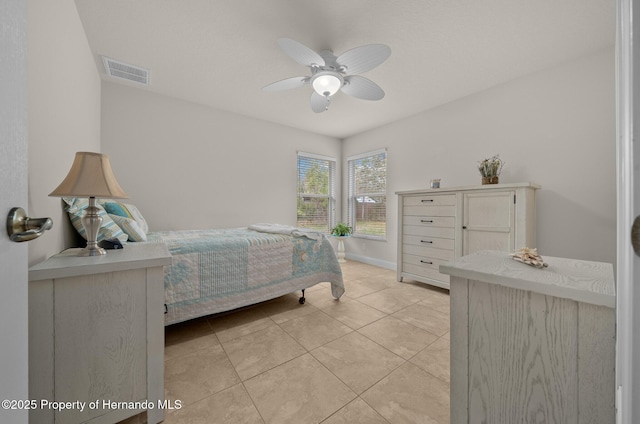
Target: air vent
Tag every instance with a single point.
(125, 71)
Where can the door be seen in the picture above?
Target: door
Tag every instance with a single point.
(628, 166)
(13, 192)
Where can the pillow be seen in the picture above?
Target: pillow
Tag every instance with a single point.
(75, 207)
(127, 211)
(130, 227)
(115, 208)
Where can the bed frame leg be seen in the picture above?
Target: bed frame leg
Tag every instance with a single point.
(301, 300)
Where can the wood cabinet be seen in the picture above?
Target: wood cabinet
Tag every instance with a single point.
(436, 226)
(531, 345)
(96, 334)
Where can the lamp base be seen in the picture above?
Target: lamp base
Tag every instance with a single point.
(91, 222)
(92, 251)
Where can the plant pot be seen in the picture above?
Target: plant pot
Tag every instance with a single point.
(341, 252)
(490, 180)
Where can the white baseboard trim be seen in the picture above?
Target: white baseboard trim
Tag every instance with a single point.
(372, 261)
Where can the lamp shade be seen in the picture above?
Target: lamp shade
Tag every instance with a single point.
(90, 176)
(327, 83)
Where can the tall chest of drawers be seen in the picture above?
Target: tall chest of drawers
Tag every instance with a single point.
(436, 226)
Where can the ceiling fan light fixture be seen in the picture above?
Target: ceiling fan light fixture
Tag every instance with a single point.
(327, 83)
(329, 73)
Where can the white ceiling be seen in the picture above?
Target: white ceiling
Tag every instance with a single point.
(221, 53)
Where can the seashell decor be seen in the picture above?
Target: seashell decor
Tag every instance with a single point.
(529, 256)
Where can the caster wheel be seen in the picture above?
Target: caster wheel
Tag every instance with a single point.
(301, 300)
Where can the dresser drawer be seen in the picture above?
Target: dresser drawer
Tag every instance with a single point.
(430, 200)
(428, 252)
(430, 210)
(422, 261)
(431, 274)
(438, 243)
(429, 231)
(412, 265)
(430, 221)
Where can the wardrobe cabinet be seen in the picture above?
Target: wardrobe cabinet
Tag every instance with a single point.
(436, 226)
(96, 335)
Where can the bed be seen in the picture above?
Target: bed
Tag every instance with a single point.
(218, 270)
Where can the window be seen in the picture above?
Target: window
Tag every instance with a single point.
(316, 192)
(367, 180)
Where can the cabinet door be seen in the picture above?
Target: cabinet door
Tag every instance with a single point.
(100, 342)
(522, 357)
(488, 221)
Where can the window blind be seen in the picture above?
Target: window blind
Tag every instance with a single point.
(316, 192)
(367, 199)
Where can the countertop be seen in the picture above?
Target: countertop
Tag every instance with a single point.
(582, 281)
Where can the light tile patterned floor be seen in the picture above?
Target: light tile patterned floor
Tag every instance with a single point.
(379, 355)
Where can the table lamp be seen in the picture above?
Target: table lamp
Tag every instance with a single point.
(90, 176)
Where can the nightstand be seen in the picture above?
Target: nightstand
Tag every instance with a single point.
(96, 335)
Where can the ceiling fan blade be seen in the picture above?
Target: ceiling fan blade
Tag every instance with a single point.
(362, 88)
(319, 103)
(287, 84)
(300, 53)
(364, 58)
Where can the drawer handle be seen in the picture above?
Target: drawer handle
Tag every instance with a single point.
(426, 262)
(427, 200)
(426, 241)
(427, 221)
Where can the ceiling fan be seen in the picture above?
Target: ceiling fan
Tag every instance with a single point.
(330, 74)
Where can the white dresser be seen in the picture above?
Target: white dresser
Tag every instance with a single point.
(531, 345)
(436, 226)
(96, 335)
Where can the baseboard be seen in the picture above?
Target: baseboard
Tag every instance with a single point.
(372, 261)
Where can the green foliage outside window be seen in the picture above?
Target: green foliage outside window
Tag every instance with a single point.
(367, 195)
(315, 202)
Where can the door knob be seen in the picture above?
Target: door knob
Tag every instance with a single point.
(22, 228)
(635, 235)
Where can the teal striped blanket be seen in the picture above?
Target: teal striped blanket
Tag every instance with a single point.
(219, 270)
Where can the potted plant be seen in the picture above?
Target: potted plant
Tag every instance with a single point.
(341, 230)
(490, 169)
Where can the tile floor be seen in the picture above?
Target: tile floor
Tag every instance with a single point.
(379, 355)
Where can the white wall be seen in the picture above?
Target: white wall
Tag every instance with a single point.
(555, 128)
(63, 112)
(187, 166)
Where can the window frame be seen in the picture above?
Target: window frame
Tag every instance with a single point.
(332, 187)
(352, 195)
